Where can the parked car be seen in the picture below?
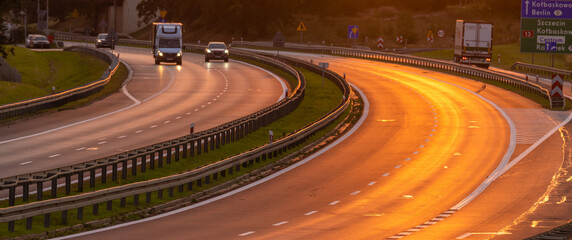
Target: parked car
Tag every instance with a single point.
(102, 41)
(216, 50)
(37, 41)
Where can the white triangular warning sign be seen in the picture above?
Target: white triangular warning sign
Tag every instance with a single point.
(301, 27)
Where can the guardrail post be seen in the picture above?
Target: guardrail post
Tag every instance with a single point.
(212, 142)
(80, 181)
(104, 175)
(25, 192)
(92, 178)
(148, 197)
(124, 169)
(96, 209)
(39, 191)
(152, 161)
(64, 220)
(29, 222)
(171, 192)
(134, 166)
(240, 131)
(181, 188)
(47, 220)
(80, 213)
(192, 148)
(114, 172)
(206, 144)
(160, 194)
(199, 182)
(232, 133)
(109, 205)
(160, 158)
(54, 187)
(144, 163)
(184, 145)
(178, 152)
(68, 183)
(136, 200)
(208, 179)
(218, 140)
(122, 202)
(199, 146)
(223, 137)
(190, 186)
(169, 155)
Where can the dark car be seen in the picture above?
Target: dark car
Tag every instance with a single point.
(102, 41)
(37, 41)
(216, 50)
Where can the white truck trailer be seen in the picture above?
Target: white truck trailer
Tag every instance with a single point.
(168, 42)
(474, 43)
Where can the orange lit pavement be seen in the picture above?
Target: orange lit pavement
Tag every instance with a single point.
(426, 144)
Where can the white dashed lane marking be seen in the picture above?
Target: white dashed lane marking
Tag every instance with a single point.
(280, 223)
(355, 193)
(310, 213)
(245, 234)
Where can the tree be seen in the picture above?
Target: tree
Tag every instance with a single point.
(8, 7)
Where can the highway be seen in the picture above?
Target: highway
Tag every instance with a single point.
(420, 164)
(157, 104)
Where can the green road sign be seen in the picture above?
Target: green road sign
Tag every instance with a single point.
(546, 26)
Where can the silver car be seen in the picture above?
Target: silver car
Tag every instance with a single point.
(37, 41)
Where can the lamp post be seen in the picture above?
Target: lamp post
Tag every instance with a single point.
(23, 13)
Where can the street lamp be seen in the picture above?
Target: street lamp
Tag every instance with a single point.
(23, 13)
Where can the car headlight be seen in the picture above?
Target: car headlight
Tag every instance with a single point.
(226, 51)
(209, 51)
(160, 54)
(98, 40)
(179, 54)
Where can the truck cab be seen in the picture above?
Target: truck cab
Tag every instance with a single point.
(168, 42)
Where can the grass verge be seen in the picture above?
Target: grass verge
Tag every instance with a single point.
(42, 70)
(318, 101)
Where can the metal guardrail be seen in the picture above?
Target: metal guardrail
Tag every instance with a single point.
(541, 70)
(58, 99)
(205, 140)
(417, 61)
(224, 133)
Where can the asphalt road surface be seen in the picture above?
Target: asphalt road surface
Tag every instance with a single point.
(431, 159)
(158, 103)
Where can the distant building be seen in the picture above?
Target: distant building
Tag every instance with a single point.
(125, 11)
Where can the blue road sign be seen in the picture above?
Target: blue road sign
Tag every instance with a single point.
(553, 9)
(353, 31)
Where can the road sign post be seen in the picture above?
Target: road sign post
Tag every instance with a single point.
(301, 28)
(323, 66)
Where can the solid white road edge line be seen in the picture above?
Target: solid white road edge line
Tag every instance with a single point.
(293, 166)
(124, 90)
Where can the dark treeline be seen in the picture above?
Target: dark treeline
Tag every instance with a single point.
(240, 17)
